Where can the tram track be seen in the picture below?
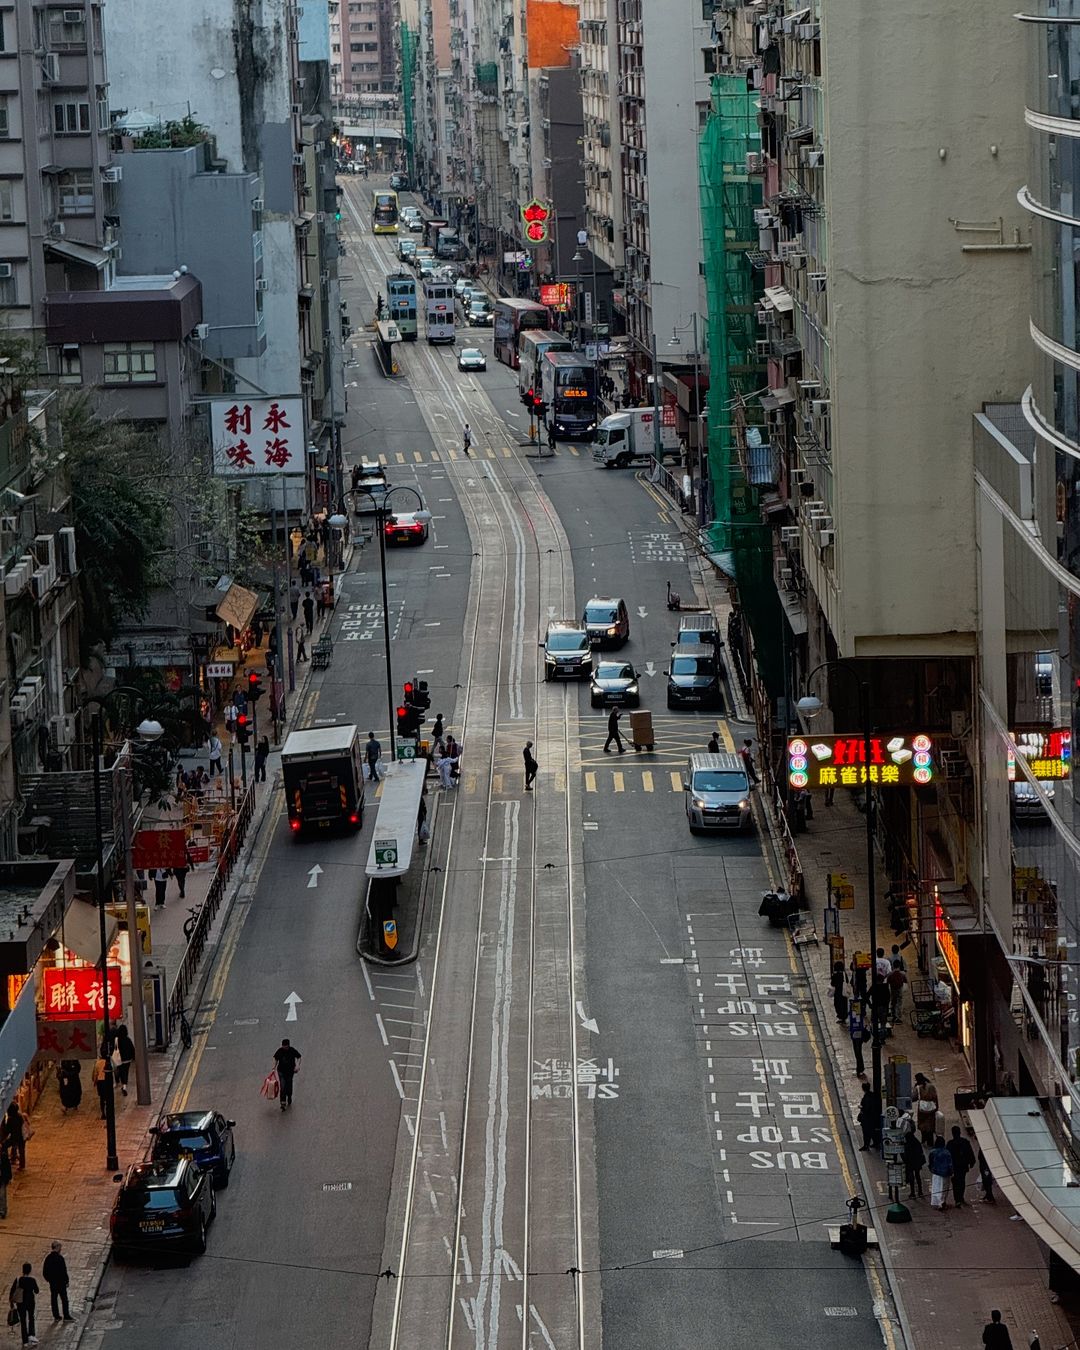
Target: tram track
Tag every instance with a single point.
(490, 1179)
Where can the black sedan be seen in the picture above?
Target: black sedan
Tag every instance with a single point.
(163, 1204)
(206, 1136)
(694, 679)
(615, 682)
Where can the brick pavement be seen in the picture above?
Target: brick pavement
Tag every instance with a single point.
(946, 1270)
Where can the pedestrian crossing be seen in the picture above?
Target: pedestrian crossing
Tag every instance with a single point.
(508, 783)
(395, 458)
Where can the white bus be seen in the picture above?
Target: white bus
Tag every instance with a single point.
(439, 310)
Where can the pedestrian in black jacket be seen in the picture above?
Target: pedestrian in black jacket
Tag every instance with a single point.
(869, 1118)
(963, 1160)
(613, 732)
(55, 1272)
(914, 1162)
(531, 766)
(23, 1297)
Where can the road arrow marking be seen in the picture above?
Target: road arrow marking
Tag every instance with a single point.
(643, 613)
(313, 877)
(587, 1023)
(293, 999)
(650, 669)
(551, 611)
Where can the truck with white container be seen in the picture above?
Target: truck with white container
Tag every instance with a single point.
(627, 438)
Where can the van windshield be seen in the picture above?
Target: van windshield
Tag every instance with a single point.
(691, 665)
(719, 780)
(600, 614)
(567, 642)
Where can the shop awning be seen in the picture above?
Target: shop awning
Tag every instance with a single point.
(776, 398)
(1028, 1164)
(80, 932)
(80, 253)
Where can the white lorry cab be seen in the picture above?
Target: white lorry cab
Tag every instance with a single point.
(626, 438)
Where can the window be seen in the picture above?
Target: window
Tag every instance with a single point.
(129, 363)
(76, 192)
(9, 294)
(7, 200)
(103, 119)
(709, 56)
(3, 47)
(70, 118)
(5, 127)
(69, 364)
(65, 34)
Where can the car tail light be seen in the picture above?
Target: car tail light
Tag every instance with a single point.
(294, 824)
(354, 819)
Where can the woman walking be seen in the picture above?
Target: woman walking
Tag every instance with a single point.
(941, 1167)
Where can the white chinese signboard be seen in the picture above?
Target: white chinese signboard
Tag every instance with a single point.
(257, 436)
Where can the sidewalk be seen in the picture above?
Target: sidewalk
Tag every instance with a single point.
(946, 1270)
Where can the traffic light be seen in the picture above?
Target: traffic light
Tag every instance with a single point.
(254, 687)
(404, 721)
(416, 699)
(527, 398)
(539, 406)
(242, 729)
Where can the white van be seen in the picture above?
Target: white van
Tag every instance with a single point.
(717, 793)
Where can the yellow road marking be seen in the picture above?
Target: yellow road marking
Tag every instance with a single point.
(383, 460)
(496, 782)
(399, 457)
(560, 781)
(506, 452)
(725, 735)
(468, 782)
(646, 780)
(436, 458)
(573, 449)
(452, 454)
(676, 782)
(617, 780)
(418, 457)
(489, 451)
(590, 782)
(556, 450)
(378, 790)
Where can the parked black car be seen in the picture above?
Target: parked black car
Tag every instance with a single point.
(163, 1204)
(206, 1135)
(694, 678)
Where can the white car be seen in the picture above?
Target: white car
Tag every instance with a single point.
(471, 358)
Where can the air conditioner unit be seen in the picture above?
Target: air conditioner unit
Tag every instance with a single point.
(50, 67)
(817, 280)
(799, 475)
(257, 204)
(45, 550)
(59, 229)
(7, 271)
(33, 690)
(298, 110)
(819, 406)
(112, 174)
(786, 574)
(262, 284)
(202, 331)
(66, 538)
(825, 538)
(816, 507)
(755, 163)
(761, 349)
(63, 730)
(18, 709)
(807, 386)
(298, 161)
(74, 16)
(815, 158)
(42, 581)
(790, 533)
(796, 260)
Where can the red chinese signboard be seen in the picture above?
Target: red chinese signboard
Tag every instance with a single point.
(556, 295)
(535, 216)
(257, 437)
(850, 761)
(73, 993)
(159, 848)
(67, 1040)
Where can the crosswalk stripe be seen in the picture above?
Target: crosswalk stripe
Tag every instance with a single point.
(383, 460)
(506, 452)
(399, 457)
(618, 781)
(646, 780)
(496, 782)
(452, 454)
(590, 782)
(676, 782)
(489, 451)
(436, 458)
(418, 457)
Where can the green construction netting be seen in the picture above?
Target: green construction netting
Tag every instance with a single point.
(408, 65)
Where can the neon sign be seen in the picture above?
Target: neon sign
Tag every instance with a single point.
(851, 761)
(1048, 753)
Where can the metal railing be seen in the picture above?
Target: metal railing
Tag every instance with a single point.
(227, 859)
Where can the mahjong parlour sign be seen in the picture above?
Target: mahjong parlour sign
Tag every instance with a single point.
(851, 761)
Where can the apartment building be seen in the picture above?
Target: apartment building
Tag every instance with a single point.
(602, 150)
(362, 48)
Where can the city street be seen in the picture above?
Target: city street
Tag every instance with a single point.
(596, 1107)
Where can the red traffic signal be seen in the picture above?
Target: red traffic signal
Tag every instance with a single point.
(241, 719)
(408, 687)
(253, 679)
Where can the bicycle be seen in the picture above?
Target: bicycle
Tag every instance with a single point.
(192, 921)
(185, 1029)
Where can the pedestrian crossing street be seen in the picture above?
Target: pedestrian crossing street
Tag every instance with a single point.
(398, 457)
(660, 770)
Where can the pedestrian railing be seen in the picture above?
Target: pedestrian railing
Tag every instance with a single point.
(787, 842)
(228, 855)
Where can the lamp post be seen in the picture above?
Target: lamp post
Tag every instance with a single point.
(675, 342)
(810, 706)
(381, 512)
(151, 730)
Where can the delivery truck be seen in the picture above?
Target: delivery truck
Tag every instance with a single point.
(324, 779)
(626, 438)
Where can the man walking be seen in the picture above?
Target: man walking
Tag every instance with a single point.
(262, 754)
(373, 751)
(309, 611)
(746, 754)
(714, 744)
(54, 1269)
(214, 746)
(869, 1118)
(531, 766)
(286, 1061)
(963, 1160)
(466, 437)
(613, 732)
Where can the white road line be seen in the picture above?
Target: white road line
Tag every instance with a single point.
(382, 1029)
(397, 1080)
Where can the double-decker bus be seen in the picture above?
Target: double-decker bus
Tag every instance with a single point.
(568, 387)
(384, 212)
(532, 344)
(513, 317)
(439, 310)
(401, 301)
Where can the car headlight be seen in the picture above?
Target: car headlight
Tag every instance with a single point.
(631, 688)
(699, 802)
(744, 804)
(611, 632)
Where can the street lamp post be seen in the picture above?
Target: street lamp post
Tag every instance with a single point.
(381, 512)
(810, 706)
